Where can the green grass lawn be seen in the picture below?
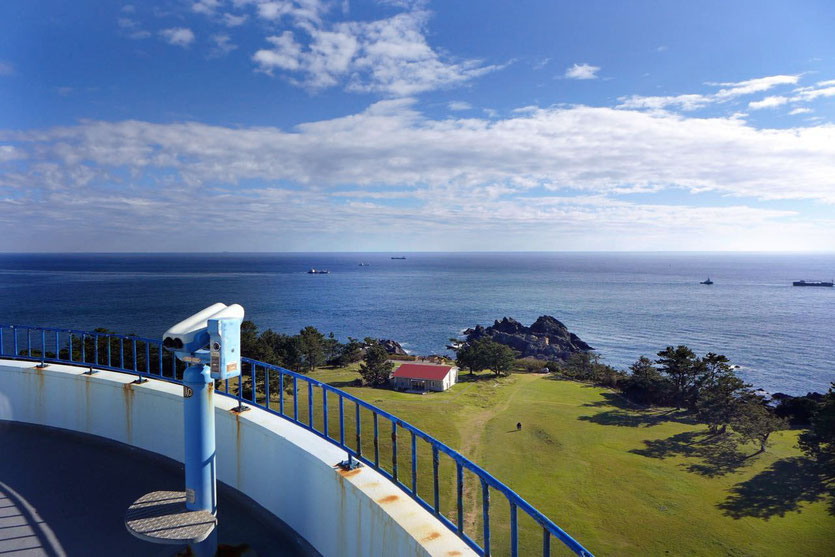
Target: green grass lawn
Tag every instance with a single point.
(621, 480)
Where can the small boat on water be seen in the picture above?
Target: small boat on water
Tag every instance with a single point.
(363, 264)
(398, 258)
(318, 272)
(708, 281)
(813, 283)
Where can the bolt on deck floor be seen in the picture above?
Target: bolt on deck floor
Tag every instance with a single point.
(65, 493)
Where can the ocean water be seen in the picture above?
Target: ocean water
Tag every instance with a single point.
(624, 304)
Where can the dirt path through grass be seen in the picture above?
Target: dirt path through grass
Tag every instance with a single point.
(472, 442)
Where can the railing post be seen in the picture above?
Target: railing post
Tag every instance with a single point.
(310, 405)
(414, 464)
(359, 431)
(295, 400)
(96, 349)
(376, 443)
(514, 531)
(341, 421)
(459, 480)
(546, 543)
(485, 511)
(394, 450)
(325, 410)
(28, 342)
(281, 392)
(435, 464)
(267, 387)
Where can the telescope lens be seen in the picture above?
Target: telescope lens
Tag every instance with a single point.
(178, 343)
(168, 342)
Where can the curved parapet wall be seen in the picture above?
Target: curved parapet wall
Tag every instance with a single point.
(288, 470)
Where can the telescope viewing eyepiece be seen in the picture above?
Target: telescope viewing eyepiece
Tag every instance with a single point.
(192, 334)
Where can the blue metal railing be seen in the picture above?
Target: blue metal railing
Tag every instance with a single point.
(147, 358)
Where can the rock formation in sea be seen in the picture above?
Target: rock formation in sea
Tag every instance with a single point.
(392, 347)
(546, 339)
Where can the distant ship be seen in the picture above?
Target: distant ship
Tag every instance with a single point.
(363, 264)
(398, 258)
(318, 272)
(708, 281)
(812, 283)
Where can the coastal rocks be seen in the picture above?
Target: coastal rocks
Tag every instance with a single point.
(392, 347)
(546, 339)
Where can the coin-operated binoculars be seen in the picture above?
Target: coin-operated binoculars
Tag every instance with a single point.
(210, 341)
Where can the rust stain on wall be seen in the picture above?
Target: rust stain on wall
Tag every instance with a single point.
(348, 473)
(237, 447)
(432, 536)
(388, 499)
(127, 392)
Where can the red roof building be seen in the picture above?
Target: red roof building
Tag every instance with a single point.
(424, 377)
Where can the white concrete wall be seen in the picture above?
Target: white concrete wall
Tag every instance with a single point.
(286, 469)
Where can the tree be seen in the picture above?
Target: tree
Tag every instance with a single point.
(754, 421)
(683, 368)
(376, 369)
(332, 349)
(312, 347)
(499, 358)
(819, 441)
(350, 352)
(719, 403)
(472, 355)
(646, 385)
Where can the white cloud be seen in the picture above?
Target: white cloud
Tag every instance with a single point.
(10, 153)
(507, 178)
(582, 71)
(178, 36)
(232, 20)
(131, 28)
(684, 102)
(223, 45)
(729, 92)
(207, 7)
(750, 86)
(389, 56)
(128, 8)
(768, 102)
(274, 10)
(800, 110)
(459, 105)
(810, 93)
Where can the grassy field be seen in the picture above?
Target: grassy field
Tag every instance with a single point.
(620, 479)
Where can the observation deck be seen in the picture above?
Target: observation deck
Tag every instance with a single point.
(307, 470)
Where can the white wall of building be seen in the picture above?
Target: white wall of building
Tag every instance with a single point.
(289, 471)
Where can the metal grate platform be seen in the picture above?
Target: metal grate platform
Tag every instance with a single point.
(162, 517)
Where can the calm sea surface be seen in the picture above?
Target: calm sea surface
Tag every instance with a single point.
(624, 305)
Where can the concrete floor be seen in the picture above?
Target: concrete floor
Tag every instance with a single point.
(65, 493)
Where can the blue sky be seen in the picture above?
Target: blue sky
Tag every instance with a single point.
(410, 125)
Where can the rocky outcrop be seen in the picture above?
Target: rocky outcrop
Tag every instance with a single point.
(546, 339)
(392, 347)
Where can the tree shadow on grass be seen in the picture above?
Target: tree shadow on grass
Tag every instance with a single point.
(716, 454)
(638, 418)
(781, 488)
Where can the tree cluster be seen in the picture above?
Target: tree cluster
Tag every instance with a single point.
(303, 352)
(707, 386)
(485, 353)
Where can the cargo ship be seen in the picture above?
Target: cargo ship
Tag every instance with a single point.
(812, 283)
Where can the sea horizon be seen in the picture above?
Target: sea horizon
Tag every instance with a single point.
(624, 304)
